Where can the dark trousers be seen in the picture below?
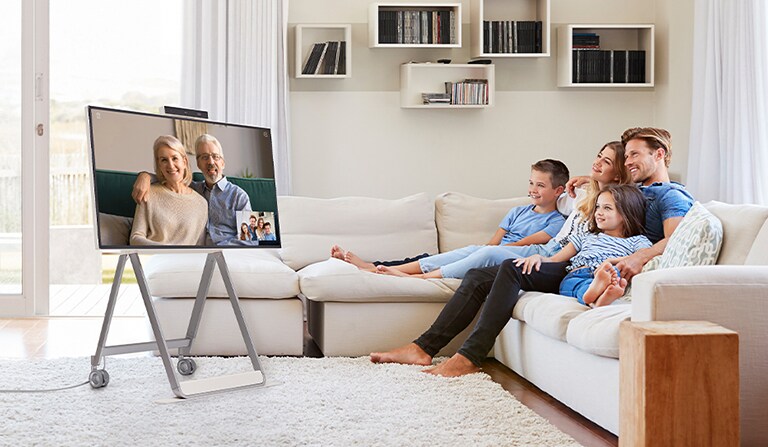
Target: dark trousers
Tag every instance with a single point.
(401, 261)
(499, 288)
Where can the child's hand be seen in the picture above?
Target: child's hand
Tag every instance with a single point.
(529, 263)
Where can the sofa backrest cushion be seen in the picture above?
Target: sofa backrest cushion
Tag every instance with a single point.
(741, 225)
(465, 220)
(374, 229)
(758, 255)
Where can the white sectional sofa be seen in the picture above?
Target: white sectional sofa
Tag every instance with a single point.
(562, 347)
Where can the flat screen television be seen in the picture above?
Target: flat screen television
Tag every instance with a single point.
(207, 184)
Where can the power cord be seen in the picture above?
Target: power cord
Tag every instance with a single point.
(47, 390)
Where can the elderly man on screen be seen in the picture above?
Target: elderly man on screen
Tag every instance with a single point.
(224, 198)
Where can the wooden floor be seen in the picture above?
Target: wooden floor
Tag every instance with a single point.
(77, 337)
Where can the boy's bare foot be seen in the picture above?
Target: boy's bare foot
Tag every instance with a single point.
(456, 366)
(337, 252)
(358, 262)
(410, 354)
(612, 293)
(603, 275)
(390, 271)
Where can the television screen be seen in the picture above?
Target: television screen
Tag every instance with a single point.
(199, 183)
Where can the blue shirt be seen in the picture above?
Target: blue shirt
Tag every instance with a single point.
(268, 237)
(522, 221)
(664, 200)
(593, 249)
(224, 200)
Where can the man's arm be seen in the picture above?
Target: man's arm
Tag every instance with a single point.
(633, 264)
(140, 191)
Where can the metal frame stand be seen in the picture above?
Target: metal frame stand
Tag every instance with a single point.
(185, 366)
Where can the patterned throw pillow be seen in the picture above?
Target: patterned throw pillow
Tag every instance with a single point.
(696, 240)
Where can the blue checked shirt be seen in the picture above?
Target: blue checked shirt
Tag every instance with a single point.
(224, 200)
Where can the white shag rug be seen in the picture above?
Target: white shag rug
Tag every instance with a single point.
(312, 402)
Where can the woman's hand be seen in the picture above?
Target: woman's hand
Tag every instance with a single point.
(529, 263)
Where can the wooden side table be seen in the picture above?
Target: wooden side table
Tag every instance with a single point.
(679, 384)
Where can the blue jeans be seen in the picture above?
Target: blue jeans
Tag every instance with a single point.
(456, 263)
(577, 282)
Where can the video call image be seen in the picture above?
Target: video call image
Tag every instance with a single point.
(169, 181)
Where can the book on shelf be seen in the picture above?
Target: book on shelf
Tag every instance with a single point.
(414, 27)
(313, 59)
(591, 66)
(326, 58)
(468, 92)
(436, 98)
(510, 36)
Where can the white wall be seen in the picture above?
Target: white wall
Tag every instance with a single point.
(350, 136)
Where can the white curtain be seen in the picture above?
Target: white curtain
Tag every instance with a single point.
(728, 155)
(235, 67)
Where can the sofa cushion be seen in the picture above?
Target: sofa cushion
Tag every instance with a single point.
(741, 224)
(695, 241)
(374, 229)
(465, 220)
(550, 314)
(336, 280)
(758, 254)
(256, 273)
(597, 331)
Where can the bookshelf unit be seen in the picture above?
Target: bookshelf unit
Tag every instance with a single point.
(612, 37)
(509, 10)
(376, 29)
(307, 35)
(418, 78)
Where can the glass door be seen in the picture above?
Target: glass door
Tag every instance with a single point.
(23, 138)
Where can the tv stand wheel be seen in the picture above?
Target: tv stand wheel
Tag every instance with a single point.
(99, 378)
(186, 367)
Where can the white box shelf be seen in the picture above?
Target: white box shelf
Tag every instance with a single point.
(378, 29)
(307, 35)
(418, 78)
(612, 37)
(508, 11)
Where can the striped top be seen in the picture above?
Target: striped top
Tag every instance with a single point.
(593, 249)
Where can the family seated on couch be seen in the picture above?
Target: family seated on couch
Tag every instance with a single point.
(604, 256)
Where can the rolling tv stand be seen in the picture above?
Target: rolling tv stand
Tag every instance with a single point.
(185, 366)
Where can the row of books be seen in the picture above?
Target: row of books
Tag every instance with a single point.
(608, 66)
(468, 91)
(585, 40)
(417, 27)
(509, 36)
(327, 58)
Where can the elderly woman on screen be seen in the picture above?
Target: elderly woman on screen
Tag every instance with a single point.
(175, 213)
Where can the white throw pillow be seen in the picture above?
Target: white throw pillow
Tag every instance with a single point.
(695, 241)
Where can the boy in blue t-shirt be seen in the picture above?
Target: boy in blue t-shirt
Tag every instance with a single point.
(536, 223)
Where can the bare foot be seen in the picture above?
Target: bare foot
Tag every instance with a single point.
(358, 262)
(337, 252)
(612, 293)
(390, 271)
(410, 354)
(603, 275)
(456, 366)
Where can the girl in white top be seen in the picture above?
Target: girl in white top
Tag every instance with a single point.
(175, 213)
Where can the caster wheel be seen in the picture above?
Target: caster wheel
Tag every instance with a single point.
(186, 367)
(99, 378)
